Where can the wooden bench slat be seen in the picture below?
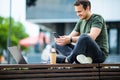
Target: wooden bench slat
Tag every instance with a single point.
(50, 75)
(48, 71)
(60, 78)
(110, 70)
(110, 64)
(47, 65)
(109, 77)
(110, 73)
(60, 71)
(72, 78)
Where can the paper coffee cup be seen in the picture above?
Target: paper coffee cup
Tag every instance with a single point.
(53, 58)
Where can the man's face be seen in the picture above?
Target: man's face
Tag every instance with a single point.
(81, 12)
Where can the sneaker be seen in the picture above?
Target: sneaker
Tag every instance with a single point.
(83, 59)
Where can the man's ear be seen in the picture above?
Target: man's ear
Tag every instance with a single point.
(88, 8)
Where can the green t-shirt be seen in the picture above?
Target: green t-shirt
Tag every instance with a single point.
(84, 27)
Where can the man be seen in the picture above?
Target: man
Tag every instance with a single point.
(90, 36)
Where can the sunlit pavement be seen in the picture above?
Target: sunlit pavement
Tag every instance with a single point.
(36, 58)
(113, 58)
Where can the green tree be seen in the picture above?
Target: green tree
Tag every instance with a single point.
(17, 32)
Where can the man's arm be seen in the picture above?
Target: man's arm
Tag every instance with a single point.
(94, 32)
(74, 36)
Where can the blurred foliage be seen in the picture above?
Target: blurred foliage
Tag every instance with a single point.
(17, 32)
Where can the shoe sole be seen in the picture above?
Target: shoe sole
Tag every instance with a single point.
(83, 59)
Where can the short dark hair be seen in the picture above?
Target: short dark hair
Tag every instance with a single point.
(85, 3)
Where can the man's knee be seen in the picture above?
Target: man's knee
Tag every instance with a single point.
(84, 37)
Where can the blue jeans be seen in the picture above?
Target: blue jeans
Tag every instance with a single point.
(85, 45)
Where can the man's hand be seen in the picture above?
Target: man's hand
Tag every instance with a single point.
(63, 40)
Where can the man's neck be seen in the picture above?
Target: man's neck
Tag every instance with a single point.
(88, 17)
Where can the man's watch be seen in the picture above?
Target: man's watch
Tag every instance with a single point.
(71, 39)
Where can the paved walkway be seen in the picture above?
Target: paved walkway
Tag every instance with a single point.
(36, 58)
(113, 58)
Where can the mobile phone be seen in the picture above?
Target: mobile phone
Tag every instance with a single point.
(56, 35)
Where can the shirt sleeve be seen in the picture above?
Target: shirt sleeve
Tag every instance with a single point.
(77, 27)
(98, 22)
